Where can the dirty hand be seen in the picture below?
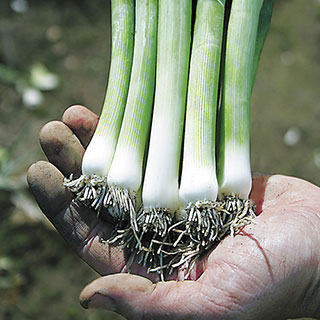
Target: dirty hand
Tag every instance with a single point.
(270, 270)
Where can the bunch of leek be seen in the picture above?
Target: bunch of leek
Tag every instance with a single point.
(218, 204)
(113, 162)
(170, 214)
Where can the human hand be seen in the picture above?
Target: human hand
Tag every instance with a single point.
(270, 270)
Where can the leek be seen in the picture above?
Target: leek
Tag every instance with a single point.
(263, 27)
(160, 186)
(234, 171)
(125, 174)
(199, 186)
(198, 180)
(90, 187)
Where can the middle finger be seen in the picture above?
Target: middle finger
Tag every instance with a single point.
(62, 148)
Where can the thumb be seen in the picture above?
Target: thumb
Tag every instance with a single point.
(136, 297)
(123, 293)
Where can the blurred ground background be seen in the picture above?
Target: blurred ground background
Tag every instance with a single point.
(54, 54)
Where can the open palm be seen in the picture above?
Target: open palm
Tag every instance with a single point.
(270, 270)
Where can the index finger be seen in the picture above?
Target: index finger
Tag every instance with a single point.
(82, 122)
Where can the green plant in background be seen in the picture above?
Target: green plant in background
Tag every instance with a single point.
(10, 178)
(31, 84)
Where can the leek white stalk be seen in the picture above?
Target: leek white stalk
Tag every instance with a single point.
(198, 179)
(160, 187)
(91, 186)
(234, 171)
(98, 156)
(199, 186)
(125, 174)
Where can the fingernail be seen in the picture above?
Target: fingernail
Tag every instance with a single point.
(99, 301)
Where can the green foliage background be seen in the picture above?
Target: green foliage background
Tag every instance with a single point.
(40, 277)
